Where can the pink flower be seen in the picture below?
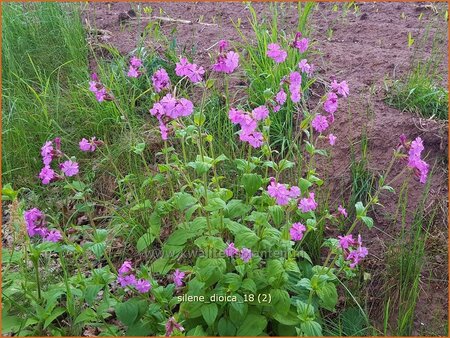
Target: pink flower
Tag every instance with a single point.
(227, 63)
(89, 145)
(246, 254)
(254, 138)
(319, 123)
(192, 71)
(332, 139)
(133, 72)
(281, 193)
(143, 286)
(236, 116)
(340, 88)
(53, 236)
(183, 67)
(98, 89)
(275, 52)
(178, 277)
(331, 103)
(47, 175)
(305, 67)
(308, 204)
(101, 95)
(342, 211)
(171, 325)
(415, 162)
(358, 254)
(260, 113)
(300, 43)
(231, 251)
(297, 230)
(223, 44)
(69, 168)
(35, 222)
(161, 80)
(125, 268)
(281, 97)
(47, 152)
(135, 62)
(295, 81)
(126, 280)
(164, 131)
(346, 241)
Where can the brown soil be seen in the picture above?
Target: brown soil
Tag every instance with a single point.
(365, 49)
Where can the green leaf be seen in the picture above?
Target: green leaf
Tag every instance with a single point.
(55, 314)
(304, 185)
(328, 295)
(251, 183)
(360, 210)
(249, 285)
(277, 214)
(139, 148)
(215, 204)
(183, 200)
(311, 328)
(196, 332)
(8, 193)
(226, 327)
(91, 293)
(127, 312)
(253, 325)
(87, 316)
(200, 167)
(140, 206)
(144, 242)
(209, 313)
(98, 249)
(305, 283)
(281, 301)
(236, 209)
(368, 221)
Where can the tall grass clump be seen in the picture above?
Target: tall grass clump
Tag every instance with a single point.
(422, 90)
(44, 55)
(405, 261)
(264, 74)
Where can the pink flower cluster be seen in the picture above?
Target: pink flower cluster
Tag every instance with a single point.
(170, 108)
(178, 277)
(280, 99)
(297, 231)
(98, 89)
(171, 325)
(281, 192)
(249, 123)
(305, 67)
(245, 254)
(308, 203)
(37, 226)
(353, 250)
(300, 43)
(320, 123)
(414, 161)
(49, 151)
(127, 278)
(135, 67)
(342, 211)
(89, 145)
(295, 86)
(275, 52)
(227, 62)
(193, 72)
(161, 80)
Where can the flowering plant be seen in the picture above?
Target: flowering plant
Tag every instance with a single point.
(237, 258)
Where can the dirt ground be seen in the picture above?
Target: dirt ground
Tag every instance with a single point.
(365, 49)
